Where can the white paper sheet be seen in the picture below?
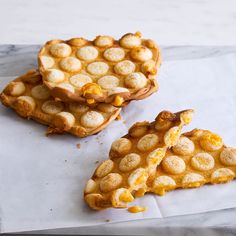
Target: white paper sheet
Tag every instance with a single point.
(42, 178)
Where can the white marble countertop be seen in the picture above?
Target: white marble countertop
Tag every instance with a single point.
(16, 59)
(169, 22)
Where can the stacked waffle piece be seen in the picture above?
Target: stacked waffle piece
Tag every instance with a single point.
(155, 157)
(30, 98)
(81, 85)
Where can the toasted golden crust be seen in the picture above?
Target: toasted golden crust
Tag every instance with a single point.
(31, 99)
(176, 170)
(133, 160)
(132, 60)
(201, 165)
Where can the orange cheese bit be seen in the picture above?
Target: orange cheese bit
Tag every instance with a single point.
(90, 101)
(118, 101)
(91, 88)
(136, 209)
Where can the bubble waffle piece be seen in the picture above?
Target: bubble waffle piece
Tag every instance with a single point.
(102, 70)
(133, 160)
(198, 158)
(31, 99)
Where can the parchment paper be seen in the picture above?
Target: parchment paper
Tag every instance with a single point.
(42, 178)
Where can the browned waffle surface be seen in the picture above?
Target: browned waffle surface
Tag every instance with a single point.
(31, 99)
(199, 158)
(101, 70)
(133, 160)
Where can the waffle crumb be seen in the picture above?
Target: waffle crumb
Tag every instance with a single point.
(119, 117)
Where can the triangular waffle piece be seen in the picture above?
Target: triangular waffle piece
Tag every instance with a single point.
(199, 158)
(102, 70)
(133, 159)
(31, 99)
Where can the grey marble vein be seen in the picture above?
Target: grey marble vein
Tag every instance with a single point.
(216, 223)
(16, 59)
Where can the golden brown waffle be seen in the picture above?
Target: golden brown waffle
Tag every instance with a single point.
(31, 99)
(102, 70)
(133, 159)
(199, 157)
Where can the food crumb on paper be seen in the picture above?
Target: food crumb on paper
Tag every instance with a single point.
(119, 117)
(78, 145)
(136, 209)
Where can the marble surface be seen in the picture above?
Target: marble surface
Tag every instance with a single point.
(219, 223)
(15, 59)
(12, 56)
(169, 22)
